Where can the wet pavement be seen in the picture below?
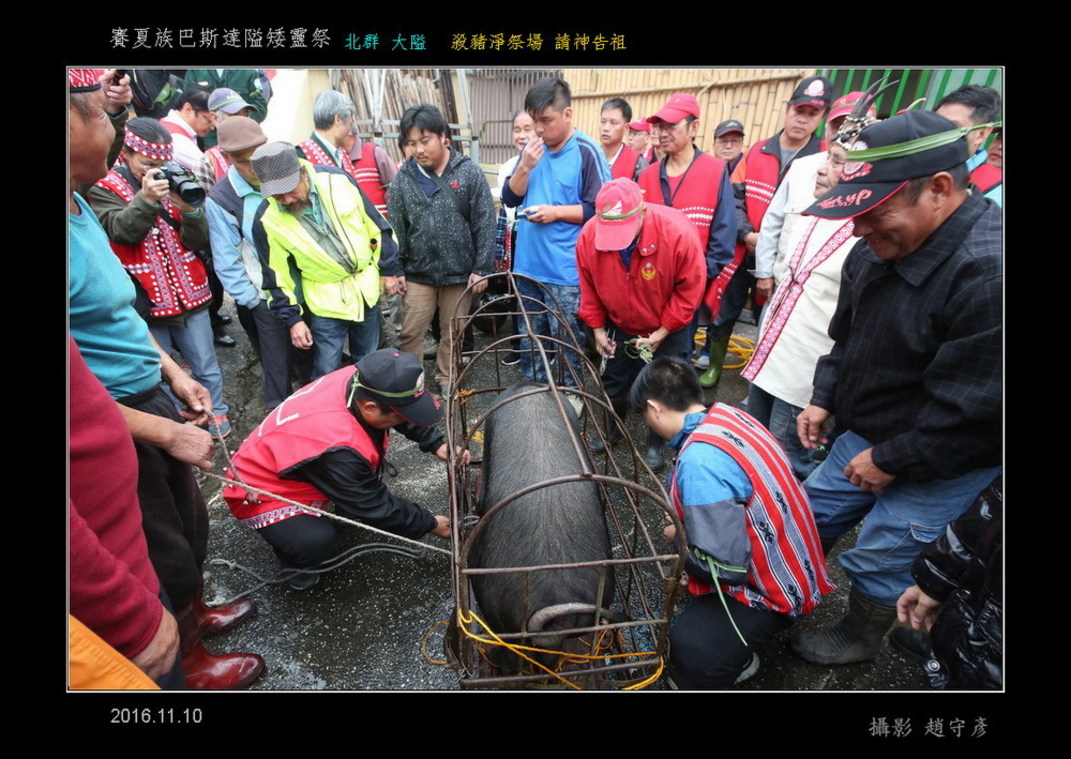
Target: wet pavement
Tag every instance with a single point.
(377, 621)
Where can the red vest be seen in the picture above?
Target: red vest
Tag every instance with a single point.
(301, 428)
(625, 165)
(172, 276)
(697, 194)
(787, 573)
(697, 198)
(366, 172)
(217, 161)
(986, 177)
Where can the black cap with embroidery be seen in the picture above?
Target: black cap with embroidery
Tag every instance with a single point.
(889, 154)
(814, 90)
(396, 380)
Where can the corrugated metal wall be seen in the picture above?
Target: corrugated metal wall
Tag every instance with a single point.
(912, 84)
(755, 97)
(494, 96)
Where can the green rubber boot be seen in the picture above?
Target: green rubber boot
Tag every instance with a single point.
(710, 377)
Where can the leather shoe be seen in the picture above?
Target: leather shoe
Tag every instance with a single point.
(225, 340)
(205, 671)
(212, 620)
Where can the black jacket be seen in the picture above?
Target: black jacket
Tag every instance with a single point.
(963, 569)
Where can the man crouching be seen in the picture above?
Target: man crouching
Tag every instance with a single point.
(754, 558)
(327, 442)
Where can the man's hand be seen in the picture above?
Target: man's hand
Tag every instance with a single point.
(189, 443)
(478, 283)
(463, 454)
(810, 426)
(654, 339)
(117, 96)
(917, 609)
(764, 286)
(300, 336)
(192, 393)
(750, 241)
(603, 344)
(542, 214)
(181, 204)
(152, 188)
(531, 154)
(865, 474)
(159, 656)
(441, 528)
(392, 285)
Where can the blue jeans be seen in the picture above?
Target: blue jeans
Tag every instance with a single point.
(779, 417)
(535, 300)
(899, 522)
(195, 342)
(329, 337)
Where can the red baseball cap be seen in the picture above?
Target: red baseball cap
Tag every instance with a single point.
(617, 214)
(677, 107)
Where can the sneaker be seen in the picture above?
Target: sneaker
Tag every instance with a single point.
(444, 389)
(220, 426)
(703, 362)
(577, 404)
(511, 359)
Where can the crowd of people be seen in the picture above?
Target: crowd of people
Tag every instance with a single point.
(871, 256)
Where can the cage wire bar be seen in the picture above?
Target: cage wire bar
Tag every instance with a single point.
(645, 580)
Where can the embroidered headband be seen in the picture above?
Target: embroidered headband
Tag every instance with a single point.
(146, 148)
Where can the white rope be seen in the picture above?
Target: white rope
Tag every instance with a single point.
(345, 520)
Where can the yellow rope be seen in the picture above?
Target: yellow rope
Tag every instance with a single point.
(517, 649)
(742, 347)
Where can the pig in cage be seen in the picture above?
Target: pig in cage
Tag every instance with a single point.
(561, 577)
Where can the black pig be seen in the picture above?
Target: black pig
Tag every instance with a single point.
(527, 442)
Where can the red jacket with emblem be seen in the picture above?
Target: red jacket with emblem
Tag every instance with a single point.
(664, 281)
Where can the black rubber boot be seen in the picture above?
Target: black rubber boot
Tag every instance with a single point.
(621, 407)
(653, 455)
(856, 637)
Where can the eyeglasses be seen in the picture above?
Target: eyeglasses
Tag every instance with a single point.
(661, 126)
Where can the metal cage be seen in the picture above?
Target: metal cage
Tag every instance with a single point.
(619, 649)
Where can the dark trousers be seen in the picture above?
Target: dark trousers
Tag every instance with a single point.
(302, 541)
(622, 369)
(705, 651)
(173, 513)
(279, 359)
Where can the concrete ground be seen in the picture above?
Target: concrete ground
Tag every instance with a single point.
(375, 622)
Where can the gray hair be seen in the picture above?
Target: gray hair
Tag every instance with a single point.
(331, 103)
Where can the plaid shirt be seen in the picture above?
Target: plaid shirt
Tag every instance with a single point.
(917, 364)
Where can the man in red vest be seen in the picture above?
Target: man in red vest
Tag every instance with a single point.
(625, 163)
(754, 556)
(327, 442)
(971, 105)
